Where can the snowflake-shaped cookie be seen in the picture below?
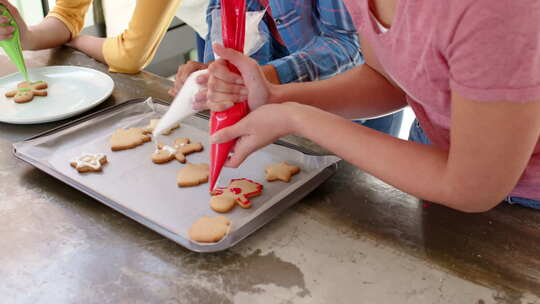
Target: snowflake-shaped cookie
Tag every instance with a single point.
(89, 162)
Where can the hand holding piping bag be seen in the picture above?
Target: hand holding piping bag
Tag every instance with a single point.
(12, 45)
(266, 123)
(233, 29)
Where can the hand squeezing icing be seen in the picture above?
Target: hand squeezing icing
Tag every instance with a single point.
(12, 47)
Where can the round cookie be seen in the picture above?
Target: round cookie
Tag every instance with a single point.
(193, 175)
(209, 229)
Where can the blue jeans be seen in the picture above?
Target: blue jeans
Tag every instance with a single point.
(389, 124)
(418, 135)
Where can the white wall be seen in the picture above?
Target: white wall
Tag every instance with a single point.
(32, 11)
(117, 15)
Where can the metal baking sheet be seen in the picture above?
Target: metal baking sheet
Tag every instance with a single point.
(146, 192)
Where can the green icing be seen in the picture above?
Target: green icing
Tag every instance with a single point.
(24, 90)
(12, 47)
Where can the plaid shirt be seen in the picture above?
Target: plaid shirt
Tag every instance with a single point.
(319, 35)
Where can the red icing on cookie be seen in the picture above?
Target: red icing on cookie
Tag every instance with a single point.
(243, 189)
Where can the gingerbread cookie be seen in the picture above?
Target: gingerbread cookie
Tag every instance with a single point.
(209, 229)
(88, 162)
(237, 192)
(152, 125)
(192, 175)
(179, 150)
(26, 91)
(130, 138)
(184, 147)
(163, 154)
(282, 171)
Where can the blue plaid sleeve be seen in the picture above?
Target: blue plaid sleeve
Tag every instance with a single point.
(334, 50)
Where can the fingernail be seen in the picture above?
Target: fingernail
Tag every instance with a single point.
(243, 92)
(239, 81)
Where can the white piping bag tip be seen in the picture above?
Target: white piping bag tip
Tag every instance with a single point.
(182, 105)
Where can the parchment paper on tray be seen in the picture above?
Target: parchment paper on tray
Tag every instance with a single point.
(146, 192)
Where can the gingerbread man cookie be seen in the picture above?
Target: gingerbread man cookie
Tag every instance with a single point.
(282, 171)
(130, 138)
(193, 175)
(152, 125)
(209, 229)
(237, 192)
(184, 147)
(26, 91)
(179, 150)
(89, 162)
(163, 154)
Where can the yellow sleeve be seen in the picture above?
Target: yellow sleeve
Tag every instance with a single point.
(71, 13)
(134, 49)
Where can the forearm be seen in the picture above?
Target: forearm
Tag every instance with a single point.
(323, 58)
(50, 33)
(418, 169)
(90, 45)
(358, 93)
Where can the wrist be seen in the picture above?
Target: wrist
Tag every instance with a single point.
(28, 39)
(295, 114)
(277, 94)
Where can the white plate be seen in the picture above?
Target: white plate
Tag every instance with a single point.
(72, 90)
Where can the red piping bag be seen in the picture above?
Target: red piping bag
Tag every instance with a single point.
(233, 30)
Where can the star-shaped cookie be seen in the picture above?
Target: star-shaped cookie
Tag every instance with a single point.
(282, 171)
(89, 162)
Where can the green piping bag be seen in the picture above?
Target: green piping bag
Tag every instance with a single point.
(12, 47)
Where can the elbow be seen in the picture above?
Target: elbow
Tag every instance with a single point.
(472, 202)
(123, 57)
(131, 66)
(475, 206)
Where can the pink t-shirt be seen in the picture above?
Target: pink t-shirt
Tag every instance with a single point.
(484, 50)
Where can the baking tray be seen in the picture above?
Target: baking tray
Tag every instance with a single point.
(134, 186)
